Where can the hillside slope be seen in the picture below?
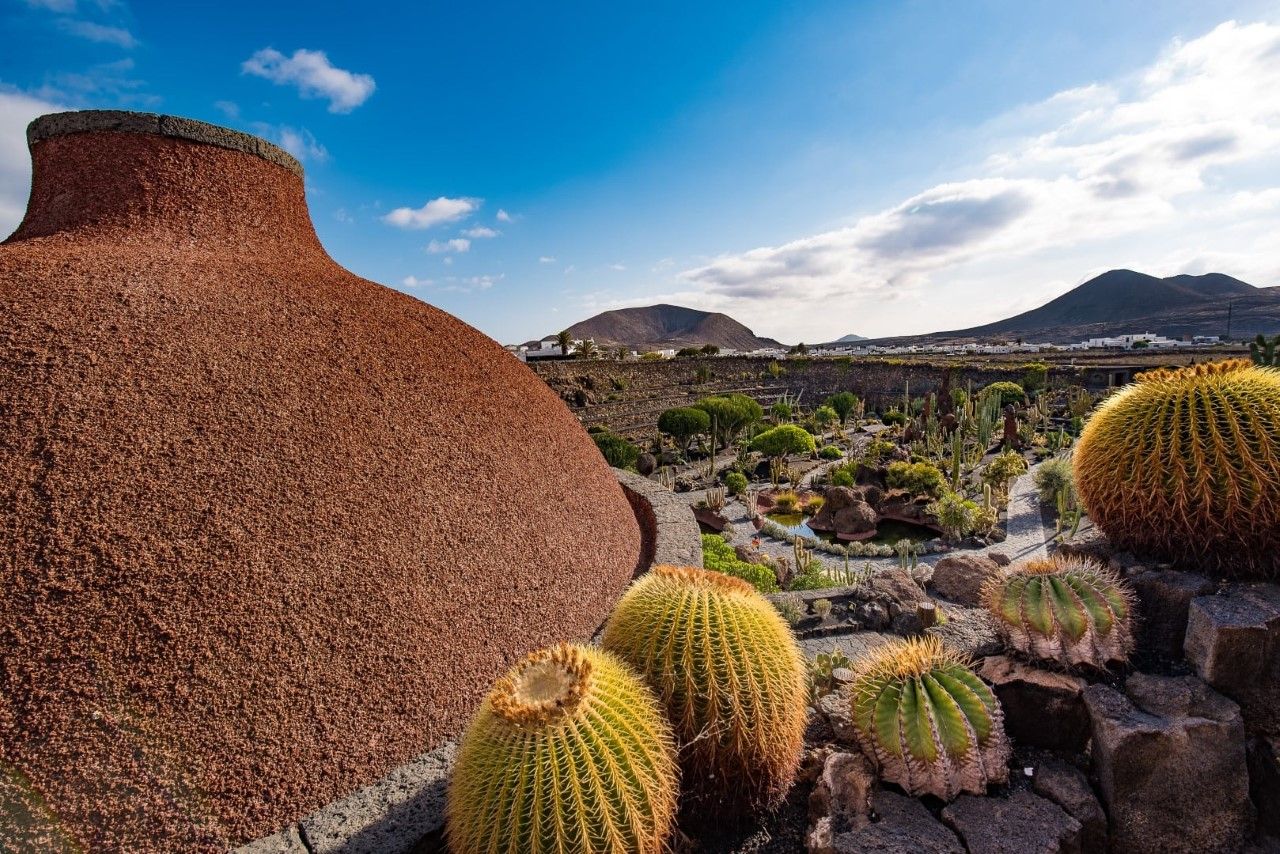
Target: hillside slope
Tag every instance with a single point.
(667, 326)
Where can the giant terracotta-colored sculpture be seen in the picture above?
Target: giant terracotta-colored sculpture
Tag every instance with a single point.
(267, 529)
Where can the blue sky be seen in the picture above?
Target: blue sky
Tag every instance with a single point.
(813, 168)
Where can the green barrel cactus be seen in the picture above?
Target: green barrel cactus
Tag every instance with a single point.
(927, 721)
(1184, 465)
(1068, 610)
(731, 676)
(569, 753)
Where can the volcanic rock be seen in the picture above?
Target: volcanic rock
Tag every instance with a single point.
(1041, 708)
(1067, 787)
(1233, 641)
(971, 631)
(897, 825)
(1023, 823)
(960, 577)
(844, 512)
(1164, 601)
(270, 530)
(1169, 757)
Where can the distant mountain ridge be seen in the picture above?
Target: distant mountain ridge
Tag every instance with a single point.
(1121, 301)
(657, 327)
(849, 339)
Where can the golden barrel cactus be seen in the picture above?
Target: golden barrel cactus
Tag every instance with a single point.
(1068, 610)
(927, 721)
(1185, 465)
(731, 676)
(569, 753)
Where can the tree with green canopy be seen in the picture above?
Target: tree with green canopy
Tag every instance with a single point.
(683, 423)
(784, 440)
(843, 403)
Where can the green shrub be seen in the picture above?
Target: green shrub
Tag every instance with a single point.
(1052, 477)
(619, 453)
(735, 482)
(842, 477)
(830, 452)
(1010, 393)
(1003, 468)
(784, 440)
(893, 416)
(916, 478)
(843, 403)
(956, 515)
(683, 423)
(786, 502)
(719, 556)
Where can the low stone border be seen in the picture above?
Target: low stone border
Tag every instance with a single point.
(670, 533)
(397, 813)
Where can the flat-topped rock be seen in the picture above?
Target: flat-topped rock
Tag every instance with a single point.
(1023, 823)
(1067, 787)
(1042, 708)
(897, 825)
(1233, 641)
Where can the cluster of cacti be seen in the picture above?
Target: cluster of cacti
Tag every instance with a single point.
(927, 721)
(1068, 610)
(1263, 352)
(715, 498)
(1185, 465)
(728, 670)
(569, 753)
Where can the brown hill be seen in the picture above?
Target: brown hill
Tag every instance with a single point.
(1121, 301)
(663, 326)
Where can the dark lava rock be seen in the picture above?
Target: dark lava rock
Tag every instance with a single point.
(969, 630)
(646, 464)
(1169, 756)
(1164, 598)
(1233, 641)
(960, 577)
(1041, 708)
(1000, 558)
(897, 825)
(1023, 823)
(1067, 787)
(1264, 784)
(844, 512)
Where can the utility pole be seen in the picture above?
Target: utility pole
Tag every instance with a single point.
(1229, 307)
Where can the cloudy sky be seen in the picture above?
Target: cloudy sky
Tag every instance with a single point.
(812, 169)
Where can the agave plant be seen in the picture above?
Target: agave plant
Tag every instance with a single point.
(927, 721)
(569, 753)
(1068, 610)
(732, 678)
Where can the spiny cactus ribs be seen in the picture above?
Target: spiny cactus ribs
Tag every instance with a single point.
(1067, 610)
(1185, 465)
(731, 676)
(930, 724)
(570, 754)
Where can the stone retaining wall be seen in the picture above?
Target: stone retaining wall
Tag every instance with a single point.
(397, 813)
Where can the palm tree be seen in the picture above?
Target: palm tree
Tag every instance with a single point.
(587, 349)
(564, 341)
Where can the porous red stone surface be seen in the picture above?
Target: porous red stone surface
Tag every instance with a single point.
(267, 529)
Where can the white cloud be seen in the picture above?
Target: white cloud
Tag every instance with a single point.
(546, 259)
(480, 232)
(16, 112)
(117, 36)
(314, 76)
(454, 284)
(457, 244)
(415, 282)
(1169, 156)
(503, 216)
(618, 267)
(434, 212)
(297, 141)
(54, 5)
(230, 109)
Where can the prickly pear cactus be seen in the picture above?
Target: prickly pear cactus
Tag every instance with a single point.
(1185, 465)
(1068, 610)
(927, 720)
(569, 753)
(731, 676)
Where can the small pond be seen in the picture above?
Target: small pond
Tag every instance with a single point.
(888, 532)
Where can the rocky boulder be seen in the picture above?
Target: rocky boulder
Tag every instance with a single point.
(896, 825)
(1164, 601)
(1169, 757)
(960, 577)
(841, 798)
(1023, 823)
(969, 630)
(844, 512)
(1264, 785)
(1233, 641)
(1041, 708)
(1067, 787)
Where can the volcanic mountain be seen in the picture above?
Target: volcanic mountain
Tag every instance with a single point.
(1121, 301)
(665, 326)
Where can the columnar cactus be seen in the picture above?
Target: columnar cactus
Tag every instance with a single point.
(1067, 610)
(1185, 465)
(927, 721)
(569, 753)
(728, 669)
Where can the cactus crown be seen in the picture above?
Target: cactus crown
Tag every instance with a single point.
(1184, 464)
(932, 726)
(728, 670)
(547, 685)
(569, 753)
(1064, 609)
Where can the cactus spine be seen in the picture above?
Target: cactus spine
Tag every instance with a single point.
(1185, 465)
(928, 722)
(727, 668)
(1068, 610)
(569, 753)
